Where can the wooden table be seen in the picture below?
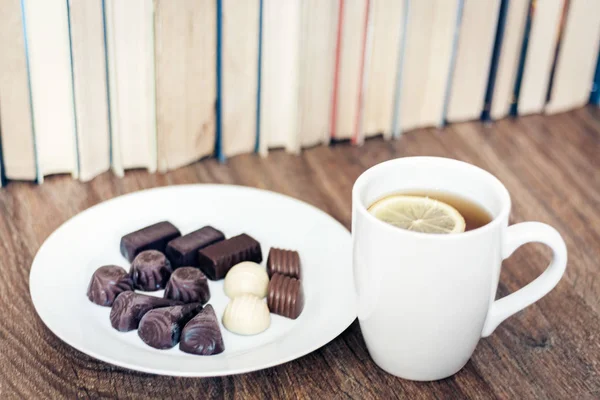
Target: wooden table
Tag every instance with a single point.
(551, 350)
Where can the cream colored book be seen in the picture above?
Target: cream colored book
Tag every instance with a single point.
(346, 101)
(577, 57)
(279, 76)
(239, 76)
(386, 20)
(15, 109)
(428, 55)
(319, 21)
(509, 58)
(130, 47)
(51, 79)
(185, 81)
(472, 64)
(91, 98)
(539, 57)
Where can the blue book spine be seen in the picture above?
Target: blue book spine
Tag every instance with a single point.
(219, 94)
(2, 174)
(595, 93)
(258, 86)
(514, 106)
(489, 93)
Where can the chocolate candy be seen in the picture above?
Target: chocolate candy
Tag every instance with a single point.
(246, 314)
(216, 259)
(286, 296)
(246, 277)
(106, 284)
(153, 237)
(188, 284)
(161, 328)
(129, 308)
(150, 270)
(202, 335)
(285, 262)
(183, 251)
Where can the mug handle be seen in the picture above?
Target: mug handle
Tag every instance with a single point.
(516, 236)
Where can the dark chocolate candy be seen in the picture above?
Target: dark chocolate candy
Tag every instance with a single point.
(285, 296)
(161, 328)
(216, 259)
(188, 284)
(129, 308)
(202, 335)
(183, 251)
(106, 284)
(150, 270)
(285, 262)
(153, 237)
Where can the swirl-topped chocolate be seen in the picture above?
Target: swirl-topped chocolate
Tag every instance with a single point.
(161, 328)
(189, 285)
(285, 262)
(202, 335)
(107, 283)
(285, 296)
(150, 270)
(129, 308)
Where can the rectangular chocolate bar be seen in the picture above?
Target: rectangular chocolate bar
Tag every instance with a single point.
(216, 259)
(153, 237)
(183, 251)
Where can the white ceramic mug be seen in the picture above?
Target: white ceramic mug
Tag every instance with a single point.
(425, 300)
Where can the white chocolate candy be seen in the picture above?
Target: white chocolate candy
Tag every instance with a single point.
(246, 315)
(246, 277)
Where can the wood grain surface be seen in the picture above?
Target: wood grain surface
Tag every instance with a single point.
(550, 350)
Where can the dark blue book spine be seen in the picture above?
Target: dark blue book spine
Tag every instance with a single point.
(595, 93)
(514, 106)
(489, 92)
(258, 86)
(2, 174)
(219, 94)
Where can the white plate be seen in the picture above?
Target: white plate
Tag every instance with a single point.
(64, 264)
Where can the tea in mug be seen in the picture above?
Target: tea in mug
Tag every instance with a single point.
(430, 211)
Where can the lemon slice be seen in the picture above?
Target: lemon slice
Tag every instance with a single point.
(419, 214)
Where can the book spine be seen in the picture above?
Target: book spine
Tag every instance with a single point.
(396, 116)
(2, 174)
(595, 92)
(108, 98)
(219, 75)
(259, 77)
(559, 37)
(514, 106)
(38, 173)
(73, 91)
(455, 39)
(489, 93)
(358, 135)
(336, 71)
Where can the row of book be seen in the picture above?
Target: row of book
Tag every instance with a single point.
(88, 86)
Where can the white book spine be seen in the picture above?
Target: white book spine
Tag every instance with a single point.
(51, 84)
